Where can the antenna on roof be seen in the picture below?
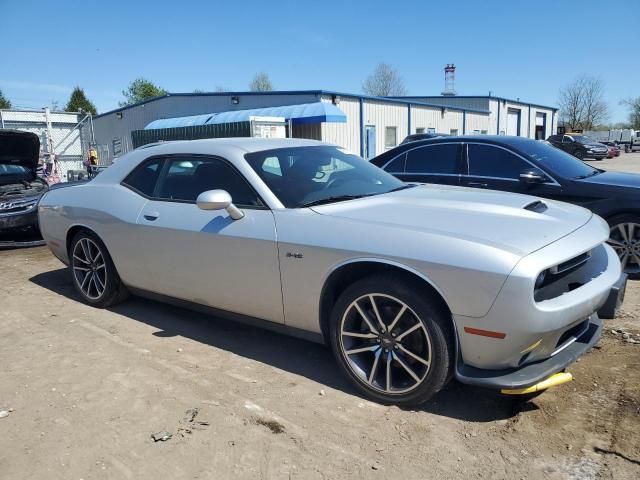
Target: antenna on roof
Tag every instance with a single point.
(449, 80)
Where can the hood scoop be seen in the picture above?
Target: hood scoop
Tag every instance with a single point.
(538, 206)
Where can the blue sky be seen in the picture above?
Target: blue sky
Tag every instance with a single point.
(527, 49)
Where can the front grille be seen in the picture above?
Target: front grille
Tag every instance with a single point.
(16, 206)
(571, 335)
(570, 264)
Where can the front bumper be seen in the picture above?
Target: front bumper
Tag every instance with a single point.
(532, 373)
(20, 229)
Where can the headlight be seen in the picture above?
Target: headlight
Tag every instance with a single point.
(540, 280)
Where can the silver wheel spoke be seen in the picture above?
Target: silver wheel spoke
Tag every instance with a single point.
(374, 368)
(388, 376)
(406, 367)
(360, 335)
(623, 232)
(635, 258)
(98, 255)
(82, 269)
(615, 243)
(414, 356)
(99, 281)
(407, 332)
(86, 262)
(624, 259)
(362, 349)
(375, 310)
(85, 249)
(395, 320)
(630, 228)
(365, 318)
(85, 282)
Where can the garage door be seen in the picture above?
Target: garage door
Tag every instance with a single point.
(513, 122)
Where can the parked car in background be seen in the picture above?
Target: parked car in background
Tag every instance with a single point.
(410, 285)
(20, 188)
(614, 149)
(521, 165)
(422, 136)
(579, 146)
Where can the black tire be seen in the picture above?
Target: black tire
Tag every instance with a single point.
(114, 291)
(632, 269)
(434, 330)
(579, 154)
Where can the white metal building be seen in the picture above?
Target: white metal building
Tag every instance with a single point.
(370, 125)
(506, 117)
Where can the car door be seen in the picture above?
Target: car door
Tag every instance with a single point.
(568, 144)
(205, 256)
(432, 163)
(497, 168)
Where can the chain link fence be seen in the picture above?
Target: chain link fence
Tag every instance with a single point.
(65, 138)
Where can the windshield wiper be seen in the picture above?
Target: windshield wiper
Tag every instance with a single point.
(403, 187)
(336, 198)
(595, 172)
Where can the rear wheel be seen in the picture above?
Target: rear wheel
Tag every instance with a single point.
(624, 237)
(392, 341)
(94, 274)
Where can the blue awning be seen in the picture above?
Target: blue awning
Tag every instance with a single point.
(305, 113)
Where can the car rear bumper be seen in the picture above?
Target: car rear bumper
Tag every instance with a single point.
(532, 373)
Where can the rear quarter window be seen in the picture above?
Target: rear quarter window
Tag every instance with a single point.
(143, 179)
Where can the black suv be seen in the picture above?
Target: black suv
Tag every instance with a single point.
(533, 167)
(579, 146)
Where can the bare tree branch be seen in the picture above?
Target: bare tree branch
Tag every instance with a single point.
(634, 111)
(384, 81)
(582, 104)
(261, 83)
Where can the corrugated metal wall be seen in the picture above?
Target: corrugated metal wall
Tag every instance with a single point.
(347, 135)
(477, 123)
(477, 103)
(311, 131)
(426, 118)
(383, 115)
(109, 127)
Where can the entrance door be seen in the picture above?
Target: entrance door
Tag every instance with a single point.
(513, 122)
(370, 142)
(541, 125)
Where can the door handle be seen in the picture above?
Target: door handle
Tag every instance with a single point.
(477, 184)
(151, 216)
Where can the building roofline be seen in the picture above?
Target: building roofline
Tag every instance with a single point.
(490, 97)
(296, 92)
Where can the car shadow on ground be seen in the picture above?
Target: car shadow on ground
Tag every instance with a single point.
(294, 355)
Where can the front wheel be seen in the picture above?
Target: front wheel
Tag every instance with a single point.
(624, 237)
(392, 341)
(579, 155)
(94, 274)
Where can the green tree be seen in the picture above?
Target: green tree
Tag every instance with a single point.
(4, 101)
(78, 102)
(633, 104)
(261, 83)
(139, 90)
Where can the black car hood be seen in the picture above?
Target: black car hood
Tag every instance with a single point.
(618, 179)
(19, 148)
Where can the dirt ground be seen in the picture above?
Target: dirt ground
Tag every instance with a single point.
(85, 389)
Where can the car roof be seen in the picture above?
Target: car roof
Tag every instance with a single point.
(246, 144)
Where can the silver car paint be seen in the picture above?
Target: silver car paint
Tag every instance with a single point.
(481, 250)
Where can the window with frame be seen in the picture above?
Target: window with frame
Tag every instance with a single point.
(143, 179)
(433, 159)
(431, 130)
(396, 165)
(490, 161)
(420, 130)
(453, 131)
(390, 137)
(187, 177)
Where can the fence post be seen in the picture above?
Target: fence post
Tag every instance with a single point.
(1, 120)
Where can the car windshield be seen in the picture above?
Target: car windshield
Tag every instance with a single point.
(9, 169)
(584, 140)
(306, 176)
(558, 161)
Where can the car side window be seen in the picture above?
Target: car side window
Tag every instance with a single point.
(434, 159)
(566, 139)
(143, 179)
(490, 161)
(396, 165)
(187, 177)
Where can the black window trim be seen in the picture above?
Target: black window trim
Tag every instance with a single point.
(467, 174)
(164, 166)
(406, 152)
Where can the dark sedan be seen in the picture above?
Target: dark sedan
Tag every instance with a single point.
(521, 165)
(579, 146)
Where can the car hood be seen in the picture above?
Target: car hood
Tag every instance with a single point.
(618, 179)
(19, 148)
(502, 220)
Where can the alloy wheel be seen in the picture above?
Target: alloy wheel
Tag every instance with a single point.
(385, 343)
(625, 240)
(89, 268)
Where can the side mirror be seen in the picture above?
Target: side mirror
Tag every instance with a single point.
(532, 175)
(218, 200)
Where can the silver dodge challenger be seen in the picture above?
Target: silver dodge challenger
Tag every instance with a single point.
(411, 285)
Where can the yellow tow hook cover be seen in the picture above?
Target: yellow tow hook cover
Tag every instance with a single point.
(552, 381)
